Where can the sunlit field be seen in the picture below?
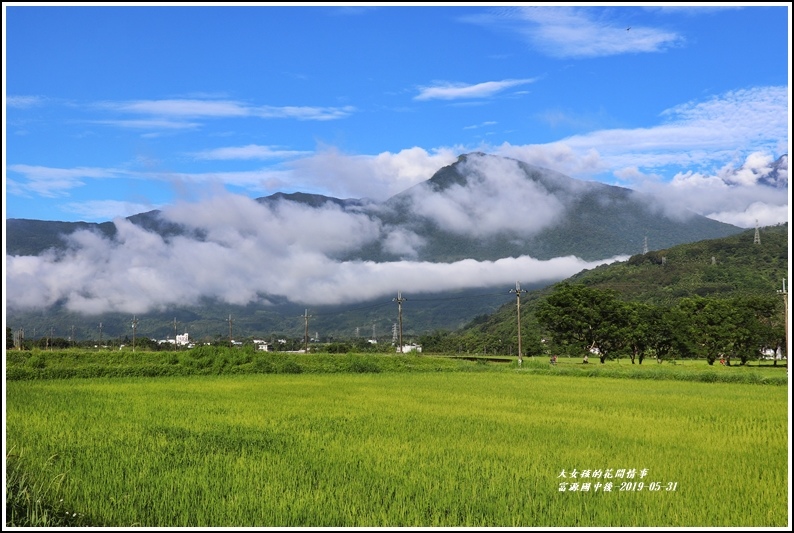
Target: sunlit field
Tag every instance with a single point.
(433, 448)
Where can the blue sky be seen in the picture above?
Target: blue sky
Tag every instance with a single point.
(115, 110)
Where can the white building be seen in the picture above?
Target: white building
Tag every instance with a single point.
(410, 348)
(262, 345)
(182, 340)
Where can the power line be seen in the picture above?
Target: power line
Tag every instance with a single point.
(487, 295)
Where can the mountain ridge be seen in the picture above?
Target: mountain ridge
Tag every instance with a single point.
(591, 219)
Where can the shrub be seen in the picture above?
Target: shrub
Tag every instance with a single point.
(291, 367)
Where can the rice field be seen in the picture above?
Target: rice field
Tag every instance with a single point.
(457, 449)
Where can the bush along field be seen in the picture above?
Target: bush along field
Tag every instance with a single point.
(220, 360)
(295, 440)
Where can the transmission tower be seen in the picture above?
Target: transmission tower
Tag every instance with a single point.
(645, 246)
(757, 237)
(518, 290)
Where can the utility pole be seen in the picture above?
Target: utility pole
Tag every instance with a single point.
(231, 342)
(518, 290)
(400, 301)
(19, 338)
(174, 333)
(784, 293)
(134, 325)
(306, 317)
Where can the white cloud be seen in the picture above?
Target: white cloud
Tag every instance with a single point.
(150, 124)
(304, 112)
(454, 91)
(377, 177)
(573, 32)
(194, 108)
(403, 243)
(180, 108)
(756, 213)
(102, 210)
(698, 135)
(757, 165)
(721, 196)
(497, 197)
(53, 182)
(22, 102)
(247, 250)
(250, 151)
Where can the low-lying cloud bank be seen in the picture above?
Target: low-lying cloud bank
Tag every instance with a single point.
(249, 252)
(257, 252)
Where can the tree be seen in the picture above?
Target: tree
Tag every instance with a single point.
(752, 328)
(639, 324)
(661, 333)
(703, 327)
(585, 317)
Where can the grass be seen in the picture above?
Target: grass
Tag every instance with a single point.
(391, 449)
(210, 360)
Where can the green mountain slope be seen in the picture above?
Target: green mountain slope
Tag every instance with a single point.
(716, 268)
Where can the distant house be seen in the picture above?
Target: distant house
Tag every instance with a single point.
(769, 353)
(262, 345)
(182, 340)
(410, 348)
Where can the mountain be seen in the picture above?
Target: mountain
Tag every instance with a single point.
(481, 208)
(716, 268)
(487, 207)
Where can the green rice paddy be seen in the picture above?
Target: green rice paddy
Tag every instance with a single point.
(391, 449)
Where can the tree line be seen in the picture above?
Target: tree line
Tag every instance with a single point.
(579, 320)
